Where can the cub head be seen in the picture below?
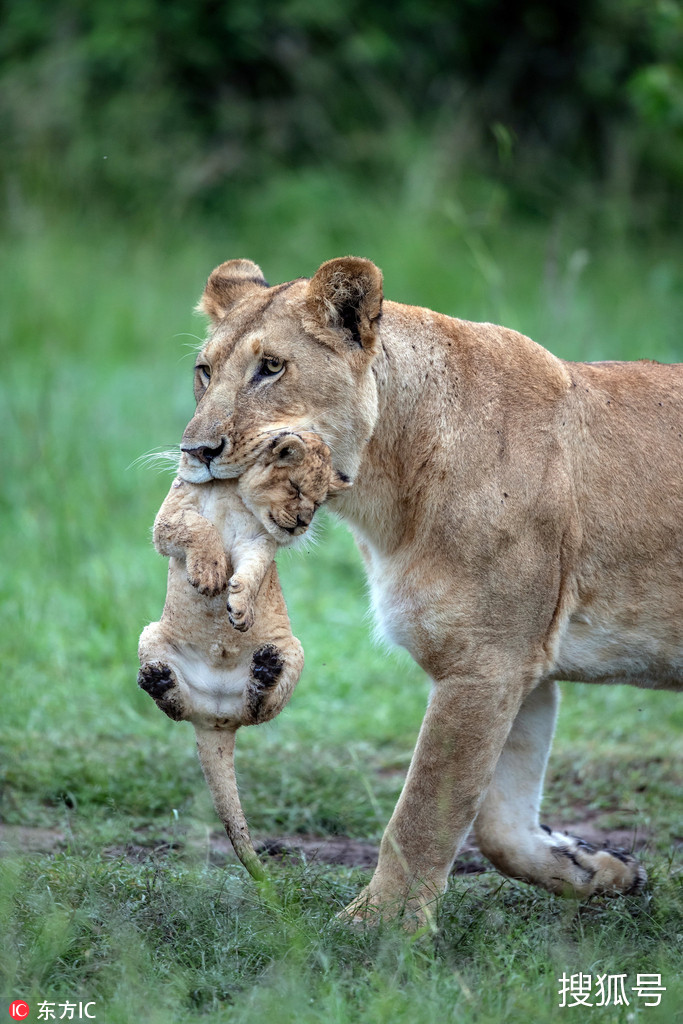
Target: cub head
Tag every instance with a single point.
(290, 479)
(290, 358)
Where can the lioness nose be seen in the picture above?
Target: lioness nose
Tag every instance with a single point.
(204, 453)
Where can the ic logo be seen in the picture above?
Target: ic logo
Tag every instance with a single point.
(19, 1010)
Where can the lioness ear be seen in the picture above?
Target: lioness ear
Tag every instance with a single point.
(288, 450)
(345, 298)
(227, 284)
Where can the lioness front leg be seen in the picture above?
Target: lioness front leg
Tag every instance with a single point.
(460, 741)
(507, 826)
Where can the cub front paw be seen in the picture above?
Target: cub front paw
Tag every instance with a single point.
(240, 605)
(208, 575)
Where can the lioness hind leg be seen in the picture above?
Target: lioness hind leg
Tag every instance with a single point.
(507, 825)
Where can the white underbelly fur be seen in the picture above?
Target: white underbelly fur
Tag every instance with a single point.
(405, 612)
(210, 690)
(591, 648)
(595, 648)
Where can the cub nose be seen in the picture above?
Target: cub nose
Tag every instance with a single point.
(304, 516)
(204, 453)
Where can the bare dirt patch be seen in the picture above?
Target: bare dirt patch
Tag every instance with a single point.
(350, 852)
(24, 839)
(341, 850)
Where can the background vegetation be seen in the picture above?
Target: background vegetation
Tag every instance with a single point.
(147, 101)
(519, 163)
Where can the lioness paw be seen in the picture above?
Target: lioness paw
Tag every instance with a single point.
(208, 574)
(417, 910)
(585, 869)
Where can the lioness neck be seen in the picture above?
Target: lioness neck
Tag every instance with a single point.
(441, 383)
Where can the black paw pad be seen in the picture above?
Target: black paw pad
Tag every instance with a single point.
(156, 679)
(266, 666)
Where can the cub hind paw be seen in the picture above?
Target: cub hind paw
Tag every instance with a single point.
(266, 666)
(160, 682)
(156, 678)
(262, 697)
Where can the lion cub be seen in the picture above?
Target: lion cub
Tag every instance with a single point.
(222, 668)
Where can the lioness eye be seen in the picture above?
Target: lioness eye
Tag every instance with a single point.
(204, 372)
(270, 366)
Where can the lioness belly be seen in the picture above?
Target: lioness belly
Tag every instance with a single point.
(597, 648)
(631, 643)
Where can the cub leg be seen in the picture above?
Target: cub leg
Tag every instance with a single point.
(275, 671)
(251, 560)
(181, 532)
(159, 680)
(156, 676)
(460, 741)
(507, 826)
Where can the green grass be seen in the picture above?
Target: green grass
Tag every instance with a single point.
(94, 320)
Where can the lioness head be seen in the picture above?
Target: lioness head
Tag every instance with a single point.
(295, 357)
(289, 481)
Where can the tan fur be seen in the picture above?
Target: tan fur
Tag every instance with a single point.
(521, 520)
(222, 667)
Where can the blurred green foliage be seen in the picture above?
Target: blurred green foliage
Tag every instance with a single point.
(184, 101)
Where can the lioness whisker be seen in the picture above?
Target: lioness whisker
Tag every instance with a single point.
(191, 350)
(185, 334)
(162, 459)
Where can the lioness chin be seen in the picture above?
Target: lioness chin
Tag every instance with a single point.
(521, 521)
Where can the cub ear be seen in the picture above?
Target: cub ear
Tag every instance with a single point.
(227, 284)
(288, 450)
(344, 302)
(338, 482)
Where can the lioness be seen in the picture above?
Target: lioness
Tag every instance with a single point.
(521, 521)
(196, 666)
